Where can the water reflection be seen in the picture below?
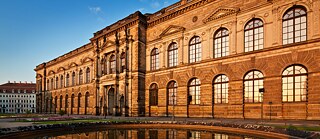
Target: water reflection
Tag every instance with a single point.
(148, 134)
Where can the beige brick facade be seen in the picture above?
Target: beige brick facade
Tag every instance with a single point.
(126, 92)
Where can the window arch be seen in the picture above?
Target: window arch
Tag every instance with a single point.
(73, 79)
(294, 25)
(172, 93)
(173, 55)
(294, 84)
(221, 43)
(112, 62)
(153, 95)
(195, 49)
(155, 59)
(220, 89)
(194, 91)
(123, 61)
(80, 77)
(253, 35)
(67, 80)
(253, 81)
(88, 75)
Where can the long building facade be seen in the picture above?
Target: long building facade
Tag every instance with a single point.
(18, 97)
(256, 59)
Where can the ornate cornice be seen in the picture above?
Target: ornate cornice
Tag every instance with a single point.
(167, 14)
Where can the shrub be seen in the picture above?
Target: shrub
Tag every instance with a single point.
(62, 112)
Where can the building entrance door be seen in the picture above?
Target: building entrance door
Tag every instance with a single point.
(110, 101)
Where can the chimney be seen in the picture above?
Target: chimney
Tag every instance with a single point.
(8, 81)
(20, 81)
(26, 82)
(14, 81)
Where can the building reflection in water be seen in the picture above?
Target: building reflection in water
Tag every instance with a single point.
(149, 134)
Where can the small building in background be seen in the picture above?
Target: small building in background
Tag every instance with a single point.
(18, 97)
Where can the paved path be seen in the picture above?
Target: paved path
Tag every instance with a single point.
(10, 122)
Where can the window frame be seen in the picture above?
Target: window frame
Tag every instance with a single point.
(173, 54)
(253, 35)
(294, 25)
(221, 37)
(197, 93)
(294, 83)
(112, 64)
(222, 91)
(154, 59)
(197, 45)
(153, 94)
(172, 89)
(253, 87)
(88, 75)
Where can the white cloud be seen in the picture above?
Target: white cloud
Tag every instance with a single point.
(95, 10)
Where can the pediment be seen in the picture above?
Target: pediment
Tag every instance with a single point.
(87, 59)
(220, 13)
(51, 72)
(171, 30)
(73, 65)
(61, 69)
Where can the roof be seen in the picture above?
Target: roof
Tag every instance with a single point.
(16, 87)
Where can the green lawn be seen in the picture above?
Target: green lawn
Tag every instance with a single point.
(304, 128)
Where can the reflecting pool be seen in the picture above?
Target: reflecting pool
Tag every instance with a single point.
(143, 134)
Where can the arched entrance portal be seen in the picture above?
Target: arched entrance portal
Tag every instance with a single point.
(111, 101)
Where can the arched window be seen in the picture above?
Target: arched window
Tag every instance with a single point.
(173, 55)
(221, 43)
(60, 102)
(172, 93)
(194, 91)
(112, 62)
(79, 100)
(253, 35)
(253, 81)
(123, 61)
(80, 77)
(52, 84)
(153, 95)
(294, 25)
(220, 89)
(48, 85)
(88, 75)
(61, 82)
(57, 82)
(195, 49)
(73, 79)
(66, 103)
(155, 59)
(67, 80)
(294, 84)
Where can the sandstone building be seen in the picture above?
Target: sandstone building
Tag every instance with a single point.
(195, 58)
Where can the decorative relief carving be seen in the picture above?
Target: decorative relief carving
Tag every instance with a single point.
(195, 19)
(220, 13)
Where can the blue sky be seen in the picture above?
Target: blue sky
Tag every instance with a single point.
(36, 31)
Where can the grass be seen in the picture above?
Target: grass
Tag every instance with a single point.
(304, 128)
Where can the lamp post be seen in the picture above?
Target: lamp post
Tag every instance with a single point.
(173, 103)
(261, 91)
